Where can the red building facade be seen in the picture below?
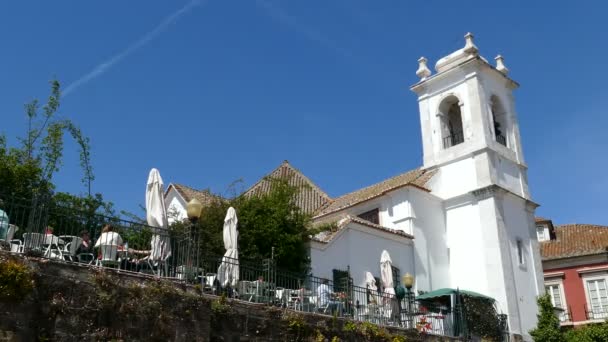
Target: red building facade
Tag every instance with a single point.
(575, 266)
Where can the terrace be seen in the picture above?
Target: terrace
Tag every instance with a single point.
(67, 236)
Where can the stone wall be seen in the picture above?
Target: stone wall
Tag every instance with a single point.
(70, 302)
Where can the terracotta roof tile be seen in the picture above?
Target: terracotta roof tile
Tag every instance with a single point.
(575, 240)
(538, 219)
(327, 236)
(309, 199)
(188, 193)
(417, 177)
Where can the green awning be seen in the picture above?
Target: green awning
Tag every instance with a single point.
(446, 292)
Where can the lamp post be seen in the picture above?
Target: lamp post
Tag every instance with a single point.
(193, 210)
(408, 282)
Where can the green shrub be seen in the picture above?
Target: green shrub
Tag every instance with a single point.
(547, 329)
(16, 281)
(588, 333)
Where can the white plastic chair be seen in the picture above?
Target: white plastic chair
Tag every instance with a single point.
(108, 255)
(71, 247)
(33, 241)
(11, 232)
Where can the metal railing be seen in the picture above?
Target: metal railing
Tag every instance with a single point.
(597, 312)
(454, 139)
(501, 139)
(68, 235)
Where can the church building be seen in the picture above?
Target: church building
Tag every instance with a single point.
(465, 218)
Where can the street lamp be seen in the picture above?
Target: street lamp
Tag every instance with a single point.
(408, 282)
(193, 209)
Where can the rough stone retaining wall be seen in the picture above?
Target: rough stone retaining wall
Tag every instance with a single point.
(71, 302)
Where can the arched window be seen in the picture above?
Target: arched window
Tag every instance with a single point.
(499, 120)
(451, 122)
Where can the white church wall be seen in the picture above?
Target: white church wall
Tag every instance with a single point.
(518, 228)
(176, 207)
(397, 212)
(360, 248)
(467, 260)
(431, 250)
(509, 175)
(455, 179)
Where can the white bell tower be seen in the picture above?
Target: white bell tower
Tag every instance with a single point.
(470, 137)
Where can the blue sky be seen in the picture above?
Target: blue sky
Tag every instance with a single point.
(214, 91)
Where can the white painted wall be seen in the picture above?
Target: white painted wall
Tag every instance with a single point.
(360, 248)
(467, 260)
(455, 178)
(519, 226)
(509, 175)
(176, 206)
(430, 241)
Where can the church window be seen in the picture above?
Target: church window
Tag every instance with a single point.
(451, 122)
(498, 120)
(520, 252)
(372, 216)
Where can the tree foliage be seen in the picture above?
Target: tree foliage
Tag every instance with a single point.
(26, 170)
(482, 317)
(588, 333)
(548, 328)
(266, 221)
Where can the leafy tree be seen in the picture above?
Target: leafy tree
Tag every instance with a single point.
(274, 220)
(28, 170)
(26, 173)
(588, 333)
(547, 329)
(265, 221)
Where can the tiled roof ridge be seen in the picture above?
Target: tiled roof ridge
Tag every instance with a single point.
(571, 225)
(186, 192)
(424, 173)
(574, 240)
(377, 226)
(309, 199)
(286, 163)
(346, 219)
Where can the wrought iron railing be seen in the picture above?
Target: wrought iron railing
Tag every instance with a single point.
(597, 312)
(453, 139)
(69, 235)
(501, 139)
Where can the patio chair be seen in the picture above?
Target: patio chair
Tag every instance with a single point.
(16, 246)
(12, 229)
(108, 256)
(33, 242)
(210, 282)
(71, 247)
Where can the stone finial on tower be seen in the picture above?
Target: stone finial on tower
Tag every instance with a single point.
(500, 65)
(469, 46)
(423, 71)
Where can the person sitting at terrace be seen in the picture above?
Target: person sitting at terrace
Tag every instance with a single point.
(109, 237)
(326, 296)
(86, 246)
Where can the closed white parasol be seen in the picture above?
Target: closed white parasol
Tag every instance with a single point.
(386, 273)
(228, 272)
(156, 215)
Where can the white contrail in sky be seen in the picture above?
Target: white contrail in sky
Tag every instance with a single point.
(103, 67)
